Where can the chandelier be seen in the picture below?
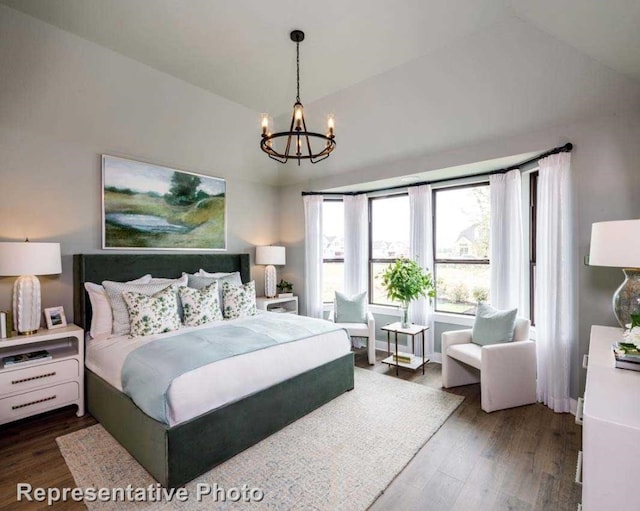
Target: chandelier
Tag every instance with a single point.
(296, 143)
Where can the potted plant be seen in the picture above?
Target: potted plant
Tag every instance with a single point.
(286, 289)
(406, 281)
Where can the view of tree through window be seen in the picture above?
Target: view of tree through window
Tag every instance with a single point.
(461, 247)
(332, 248)
(389, 240)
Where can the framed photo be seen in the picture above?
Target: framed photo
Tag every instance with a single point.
(150, 207)
(55, 317)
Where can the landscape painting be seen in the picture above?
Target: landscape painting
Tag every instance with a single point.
(147, 206)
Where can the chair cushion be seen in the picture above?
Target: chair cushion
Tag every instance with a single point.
(356, 329)
(493, 326)
(468, 353)
(351, 309)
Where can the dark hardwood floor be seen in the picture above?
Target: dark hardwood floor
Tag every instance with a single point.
(518, 459)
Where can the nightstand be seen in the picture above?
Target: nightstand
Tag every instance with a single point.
(286, 305)
(34, 387)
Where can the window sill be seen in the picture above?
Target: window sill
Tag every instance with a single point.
(454, 319)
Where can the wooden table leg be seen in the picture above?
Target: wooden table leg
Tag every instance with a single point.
(397, 361)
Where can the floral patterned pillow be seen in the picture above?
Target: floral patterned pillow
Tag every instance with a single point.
(200, 306)
(153, 314)
(239, 301)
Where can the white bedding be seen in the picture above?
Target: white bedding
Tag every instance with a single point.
(228, 380)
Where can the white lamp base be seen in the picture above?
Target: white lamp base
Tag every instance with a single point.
(26, 304)
(270, 281)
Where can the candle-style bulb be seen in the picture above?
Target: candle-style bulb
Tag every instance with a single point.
(265, 123)
(297, 115)
(331, 123)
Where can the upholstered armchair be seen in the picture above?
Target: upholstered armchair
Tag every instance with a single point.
(364, 331)
(506, 371)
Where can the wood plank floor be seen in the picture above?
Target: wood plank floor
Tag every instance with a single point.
(519, 459)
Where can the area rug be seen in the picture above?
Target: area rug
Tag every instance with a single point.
(341, 456)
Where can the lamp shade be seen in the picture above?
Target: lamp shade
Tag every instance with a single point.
(29, 258)
(270, 255)
(615, 244)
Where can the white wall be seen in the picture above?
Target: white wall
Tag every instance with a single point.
(606, 181)
(64, 101)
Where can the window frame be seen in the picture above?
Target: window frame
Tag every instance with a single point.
(332, 259)
(436, 260)
(373, 261)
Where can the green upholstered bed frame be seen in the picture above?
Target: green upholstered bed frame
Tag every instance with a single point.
(175, 455)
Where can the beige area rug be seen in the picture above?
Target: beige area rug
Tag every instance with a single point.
(341, 456)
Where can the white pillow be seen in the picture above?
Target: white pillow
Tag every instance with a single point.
(102, 317)
(217, 275)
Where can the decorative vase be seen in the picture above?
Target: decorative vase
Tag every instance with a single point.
(626, 300)
(405, 315)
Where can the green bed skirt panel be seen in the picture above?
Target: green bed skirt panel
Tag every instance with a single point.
(176, 455)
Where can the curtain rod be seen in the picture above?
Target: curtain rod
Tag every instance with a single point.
(567, 148)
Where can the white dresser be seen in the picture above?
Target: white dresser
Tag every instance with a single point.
(611, 429)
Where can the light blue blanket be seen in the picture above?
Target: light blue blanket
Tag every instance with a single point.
(149, 370)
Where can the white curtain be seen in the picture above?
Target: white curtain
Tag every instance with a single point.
(421, 251)
(507, 253)
(556, 281)
(356, 247)
(313, 254)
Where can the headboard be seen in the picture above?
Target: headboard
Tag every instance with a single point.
(122, 267)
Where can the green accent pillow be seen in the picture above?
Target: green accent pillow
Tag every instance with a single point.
(351, 309)
(493, 326)
(201, 306)
(154, 314)
(239, 301)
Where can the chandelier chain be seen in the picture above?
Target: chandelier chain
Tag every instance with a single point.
(298, 70)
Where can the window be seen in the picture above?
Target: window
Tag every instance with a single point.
(388, 240)
(533, 230)
(461, 247)
(332, 248)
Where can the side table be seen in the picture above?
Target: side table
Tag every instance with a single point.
(411, 330)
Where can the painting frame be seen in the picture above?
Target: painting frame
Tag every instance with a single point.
(55, 318)
(176, 226)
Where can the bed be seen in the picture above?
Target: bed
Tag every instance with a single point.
(175, 454)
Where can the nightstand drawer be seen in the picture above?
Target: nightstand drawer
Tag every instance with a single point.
(37, 401)
(33, 377)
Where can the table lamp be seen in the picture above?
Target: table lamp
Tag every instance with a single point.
(26, 260)
(617, 244)
(270, 256)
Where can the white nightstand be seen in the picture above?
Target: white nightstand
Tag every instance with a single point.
(286, 305)
(35, 387)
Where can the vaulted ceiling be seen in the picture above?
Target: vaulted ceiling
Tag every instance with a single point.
(402, 77)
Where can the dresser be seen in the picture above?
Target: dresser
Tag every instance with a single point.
(611, 429)
(38, 386)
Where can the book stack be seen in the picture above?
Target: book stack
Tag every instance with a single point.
(404, 358)
(27, 358)
(627, 356)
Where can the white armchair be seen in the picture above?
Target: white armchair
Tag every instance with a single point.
(506, 371)
(362, 330)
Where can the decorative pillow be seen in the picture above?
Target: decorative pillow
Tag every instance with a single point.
(119, 307)
(101, 316)
(154, 314)
(200, 306)
(200, 281)
(216, 275)
(239, 301)
(350, 309)
(493, 326)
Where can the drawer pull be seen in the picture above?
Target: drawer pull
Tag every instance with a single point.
(17, 407)
(47, 375)
(579, 469)
(580, 412)
(585, 361)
